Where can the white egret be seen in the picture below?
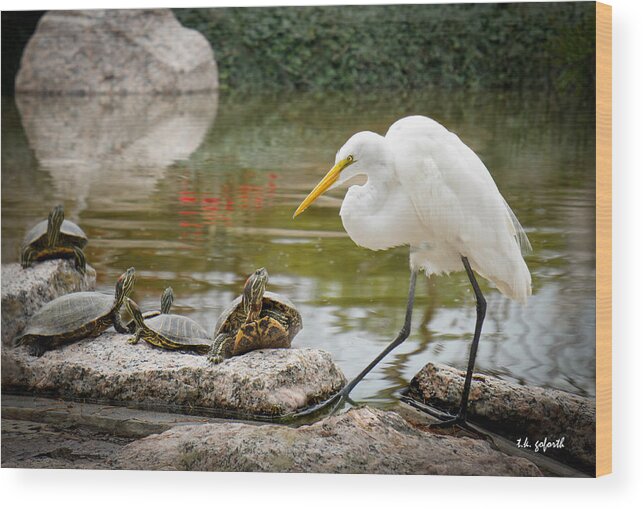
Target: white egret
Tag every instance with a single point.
(425, 188)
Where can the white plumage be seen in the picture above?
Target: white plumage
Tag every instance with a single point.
(425, 188)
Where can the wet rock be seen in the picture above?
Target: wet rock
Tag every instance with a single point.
(118, 421)
(52, 433)
(517, 411)
(27, 444)
(108, 368)
(115, 52)
(364, 440)
(24, 291)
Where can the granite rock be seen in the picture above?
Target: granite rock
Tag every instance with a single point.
(24, 291)
(517, 411)
(109, 369)
(363, 440)
(115, 52)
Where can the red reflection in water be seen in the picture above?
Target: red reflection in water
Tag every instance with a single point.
(235, 201)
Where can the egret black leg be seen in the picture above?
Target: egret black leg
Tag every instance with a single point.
(401, 336)
(481, 310)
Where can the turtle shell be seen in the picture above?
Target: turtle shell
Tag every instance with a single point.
(69, 317)
(274, 305)
(180, 331)
(70, 235)
(166, 305)
(131, 325)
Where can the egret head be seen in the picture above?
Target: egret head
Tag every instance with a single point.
(360, 155)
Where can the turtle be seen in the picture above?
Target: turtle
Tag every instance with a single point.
(256, 319)
(169, 331)
(76, 316)
(167, 298)
(54, 238)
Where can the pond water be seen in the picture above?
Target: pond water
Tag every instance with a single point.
(196, 192)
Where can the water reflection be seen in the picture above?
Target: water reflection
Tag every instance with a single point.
(213, 200)
(105, 148)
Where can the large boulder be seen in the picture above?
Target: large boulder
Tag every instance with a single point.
(360, 441)
(109, 369)
(24, 291)
(115, 52)
(532, 415)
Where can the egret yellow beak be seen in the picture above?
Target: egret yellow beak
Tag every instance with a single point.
(329, 179)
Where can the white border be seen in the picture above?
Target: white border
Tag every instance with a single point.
(100, 489)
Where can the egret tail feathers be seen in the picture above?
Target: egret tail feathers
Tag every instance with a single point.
(514, 281)
(518, 231)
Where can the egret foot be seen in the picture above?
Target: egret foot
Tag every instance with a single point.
(339, 399)
(453, 421)
(447, 419)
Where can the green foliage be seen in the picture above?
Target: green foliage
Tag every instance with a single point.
(17, 28)
(573, 53)
(402, 46)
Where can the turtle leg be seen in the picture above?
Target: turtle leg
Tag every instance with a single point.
(37, 349)
(119, 325)
(135, 338)
(79, 259)
(222, 348)
(131, 326)
(36, 346)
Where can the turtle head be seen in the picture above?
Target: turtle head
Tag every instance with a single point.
(125, 285)
(135, 311)
(253, 294)
(166, 300)
(54, 222)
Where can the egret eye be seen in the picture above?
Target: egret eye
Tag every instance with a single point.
(349, 159)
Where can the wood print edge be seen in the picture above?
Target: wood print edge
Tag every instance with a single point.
(603, 239)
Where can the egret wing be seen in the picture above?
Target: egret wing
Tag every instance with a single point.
(452, 191)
